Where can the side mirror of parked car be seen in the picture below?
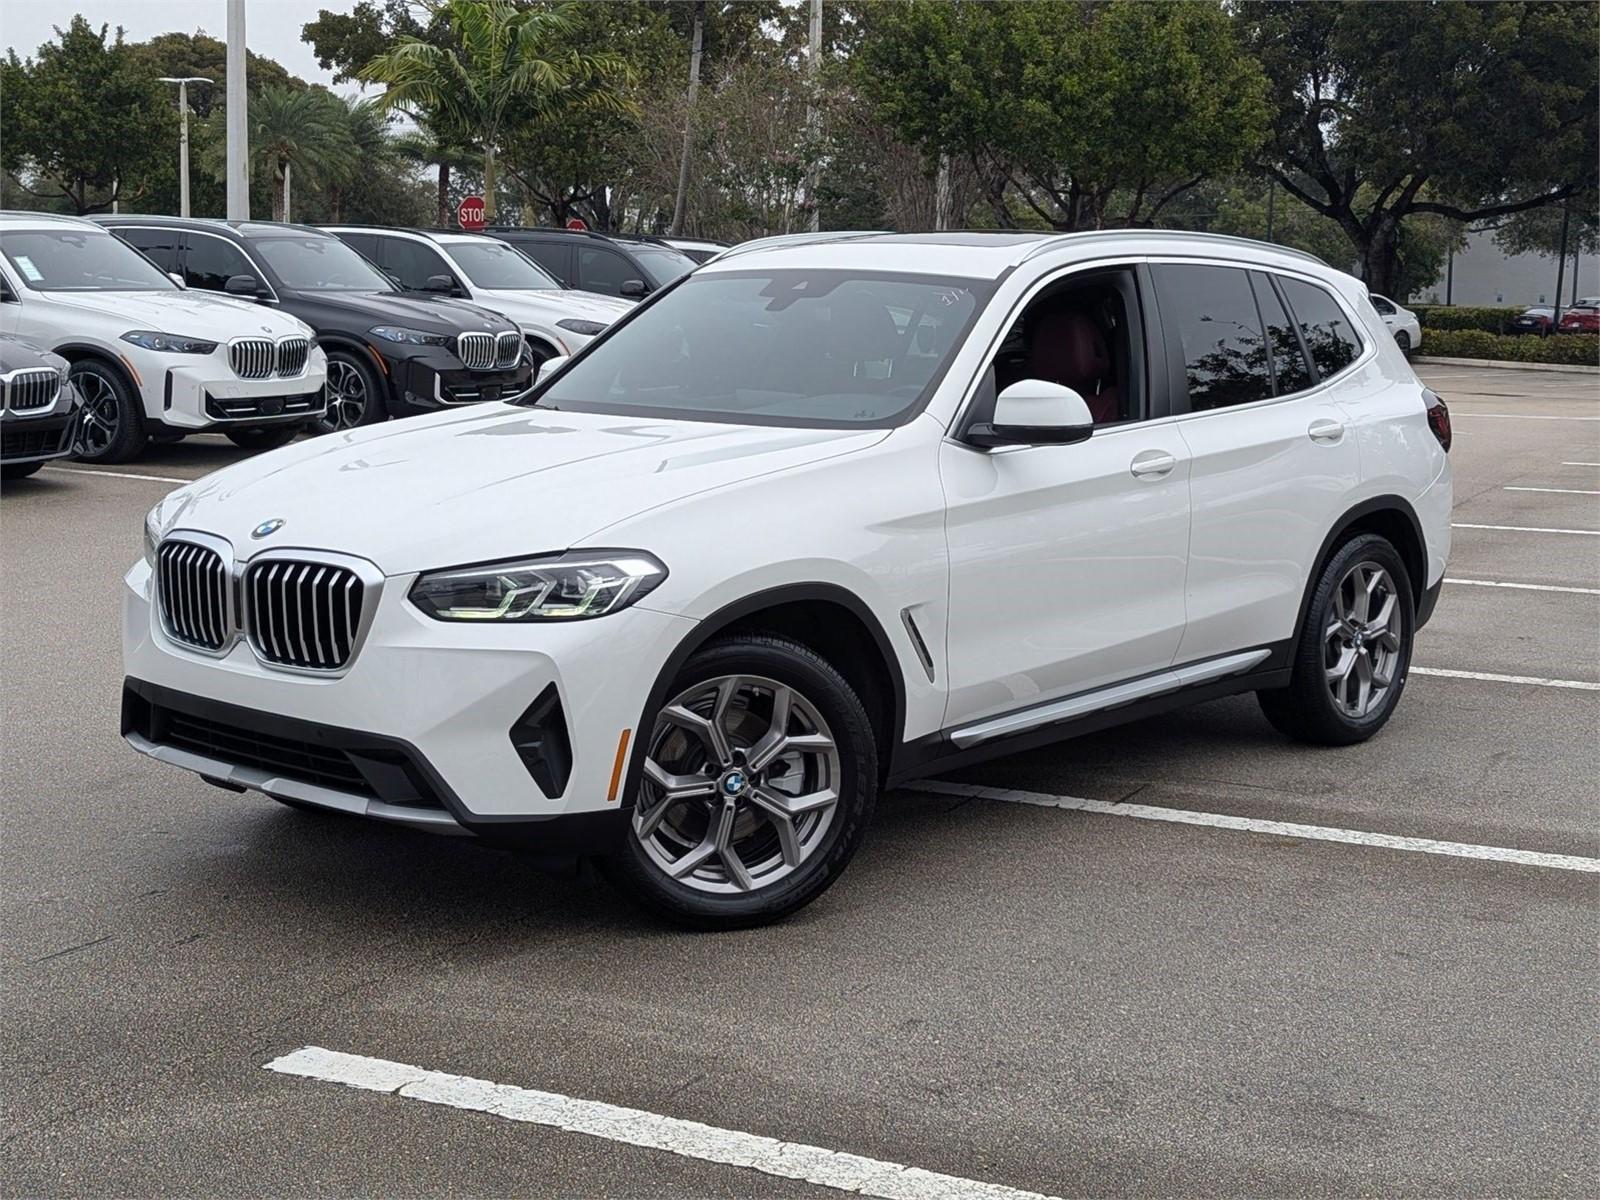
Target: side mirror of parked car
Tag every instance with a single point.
(1035, 412)
(634, 289)
(439, 283)
(177, 279)
(242, 285)
(550, 366)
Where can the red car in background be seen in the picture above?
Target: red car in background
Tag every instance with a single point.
(1582, 319)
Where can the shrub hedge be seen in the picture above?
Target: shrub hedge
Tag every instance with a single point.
(1461, 316)
(1569, 349)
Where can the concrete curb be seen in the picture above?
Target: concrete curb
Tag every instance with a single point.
(1429, 360)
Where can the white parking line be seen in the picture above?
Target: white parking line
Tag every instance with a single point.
(1580, 464)
(1557, 491)
(1487, 677)
(1526, 529)
(635, 1127)
(118, 474)
(1525, 587)
(1455, 412)
(1319, 833)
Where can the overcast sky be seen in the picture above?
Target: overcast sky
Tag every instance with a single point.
(272, 27)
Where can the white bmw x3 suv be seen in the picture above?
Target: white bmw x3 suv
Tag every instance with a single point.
(814, 521)
(150, 358)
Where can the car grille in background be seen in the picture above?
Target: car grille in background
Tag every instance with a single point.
(489, 352)
(292, 355)
(193, 585)
(252, 358)
(28, 391)
(303, 614)
(33, 443)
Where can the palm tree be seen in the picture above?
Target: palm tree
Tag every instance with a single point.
(501, 65)
(372, 148)
(299, 127)
(424, 147)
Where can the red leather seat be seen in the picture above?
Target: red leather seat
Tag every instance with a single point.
(1068, 348)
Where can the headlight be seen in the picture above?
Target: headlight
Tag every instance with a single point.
(563, 588)
(168, 343)
(412, 337)
(152, 534)
(586, 328)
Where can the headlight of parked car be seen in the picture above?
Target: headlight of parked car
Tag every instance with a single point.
(412, 337)
(168, 343)
(566, 587)
(152, 534)
(586, 328)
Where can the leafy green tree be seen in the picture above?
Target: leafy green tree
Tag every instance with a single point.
(1067, 106)
(84, 120)
(499, 66)
(1463, 111)
(309, 131)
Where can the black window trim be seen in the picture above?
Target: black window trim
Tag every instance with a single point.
(185, 232)
(1176, 371)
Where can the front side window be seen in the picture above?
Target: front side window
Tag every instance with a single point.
(1329, 336)
(80, 260)
(605, 271)
(662, 264)
(210, 262)
(496, 265)
(1385, 309)
(412, 263)
(824, 349)
(320, 264)
(1213, 312)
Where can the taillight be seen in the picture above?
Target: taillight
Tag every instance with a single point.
(1438, 417)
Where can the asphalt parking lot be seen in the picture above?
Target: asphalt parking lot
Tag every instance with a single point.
(1059, 999)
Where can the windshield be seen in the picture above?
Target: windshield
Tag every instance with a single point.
(663, 263)
(320, 264)
(80, 260)
(496, 265)
(810, 348)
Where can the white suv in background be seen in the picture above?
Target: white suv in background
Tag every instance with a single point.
(554, 320)
(149, 357)
(816, 520)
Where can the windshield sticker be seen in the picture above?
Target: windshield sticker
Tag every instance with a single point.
(25, 265)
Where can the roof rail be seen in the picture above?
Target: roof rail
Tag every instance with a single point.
(1221, 239)
(782, 241)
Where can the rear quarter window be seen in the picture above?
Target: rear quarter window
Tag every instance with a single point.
(1329, 333)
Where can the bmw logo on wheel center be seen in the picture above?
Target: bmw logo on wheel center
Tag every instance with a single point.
(267, 528)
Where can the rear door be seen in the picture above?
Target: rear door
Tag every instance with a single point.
(1274, 461)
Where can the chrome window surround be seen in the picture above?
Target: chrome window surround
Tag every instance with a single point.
(16, 381)
(371, 577)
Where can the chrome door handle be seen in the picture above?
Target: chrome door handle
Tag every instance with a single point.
(1152, 464)
(1325, 431)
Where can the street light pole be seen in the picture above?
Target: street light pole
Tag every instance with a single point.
(238, 124)
(183, 82)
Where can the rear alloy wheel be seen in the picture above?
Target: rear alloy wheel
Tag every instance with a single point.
(355, 397)
(110, 425)
(759, 775)
(1351, 662)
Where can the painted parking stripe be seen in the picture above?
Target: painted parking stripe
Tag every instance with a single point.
(1580, 464)
(1526, 529)
(635, 1127)
(1454, 412)
(118, 475)
(1556, 491)
(1319, 833)
(1524, 587)
(1488, 677)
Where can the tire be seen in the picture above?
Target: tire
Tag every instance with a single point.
(729, 798)
(111, 428)
(1403, 340)
(355, 395)
(267, 438)
(540, 352)
(19, 470)
(1370, 651)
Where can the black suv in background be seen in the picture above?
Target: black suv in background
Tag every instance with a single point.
(390, 353)
(613, 265)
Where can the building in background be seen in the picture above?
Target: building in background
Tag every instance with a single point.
(1485, 274)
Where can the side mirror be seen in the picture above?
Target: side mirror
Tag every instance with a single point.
(177, 279)
(1035, 412)
(550, 366)
(439, 283)
(634, 289)
(242, 285)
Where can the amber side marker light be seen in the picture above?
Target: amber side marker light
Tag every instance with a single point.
(616, 767)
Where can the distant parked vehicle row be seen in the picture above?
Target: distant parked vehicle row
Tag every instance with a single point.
(1581, 318)
(611, 264)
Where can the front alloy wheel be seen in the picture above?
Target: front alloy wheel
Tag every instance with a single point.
(353, 398)
(757, 779)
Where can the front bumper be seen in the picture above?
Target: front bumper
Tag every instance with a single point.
(420, 728)
(35, 437)
(435, 380)
(206, 393)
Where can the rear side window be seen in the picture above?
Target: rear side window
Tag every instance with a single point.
(1213, 311)
(1288, 359)
(1330, 337)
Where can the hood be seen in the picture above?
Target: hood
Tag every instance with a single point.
(553, 304)
(439, 315)
(193, 313)
(494, 481)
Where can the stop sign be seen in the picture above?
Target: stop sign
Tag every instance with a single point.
(576, 223)
(470, 214)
